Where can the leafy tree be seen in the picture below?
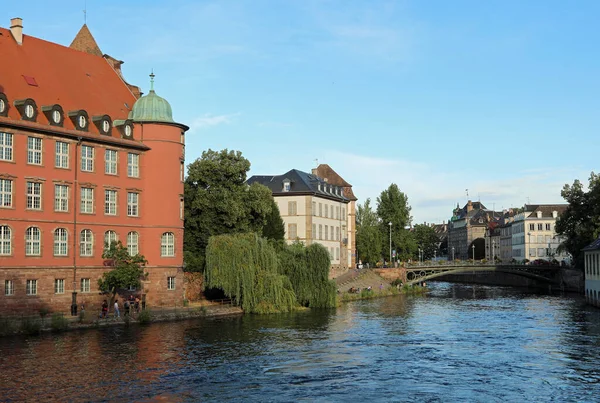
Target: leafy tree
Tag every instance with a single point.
(308, 271)
(580, 223)
(392, 206)
(368, 234)
(244, 266)
(427, 240)
(218, 201)
(274, 228)
(128, 270)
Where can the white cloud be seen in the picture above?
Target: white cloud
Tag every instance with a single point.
(209, 120)
(434, 191)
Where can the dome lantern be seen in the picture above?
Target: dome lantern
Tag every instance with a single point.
(151, 107)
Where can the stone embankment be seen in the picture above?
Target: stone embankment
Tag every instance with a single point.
(35, 324)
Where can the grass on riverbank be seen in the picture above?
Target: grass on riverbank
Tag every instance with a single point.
(370, 294)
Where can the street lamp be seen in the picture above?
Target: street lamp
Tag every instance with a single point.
(493, 255)
(420, 256)
(453, 253)
(390, 224)
(473, 253)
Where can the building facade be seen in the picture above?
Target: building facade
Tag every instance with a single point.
(534, 235)
(591, 255)
(349, 232)
(84, 160)
(467, 225)
(312, 210)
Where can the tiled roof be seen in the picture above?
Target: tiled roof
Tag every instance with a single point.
(300, 183)
(71, 78)
(326, 172)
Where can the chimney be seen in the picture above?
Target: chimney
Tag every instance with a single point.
(16, 29)
(469, 206)
(314, 171)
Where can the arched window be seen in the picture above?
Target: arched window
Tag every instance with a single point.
(110, 237)
(5, 240)
(60, 242)
(33, 241)
(167, 244)
(86, 243)
(132, 243)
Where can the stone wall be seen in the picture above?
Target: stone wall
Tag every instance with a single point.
(155, 289)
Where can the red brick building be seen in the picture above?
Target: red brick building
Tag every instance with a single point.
(84, 159)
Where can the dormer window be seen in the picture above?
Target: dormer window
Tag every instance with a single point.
(55, 114)
(286, 185)
(103, 123)
(79, 119)
(3, 105)
(319, 186)
(554, 214)
(539, 214)
(125, 127)
(27, 108)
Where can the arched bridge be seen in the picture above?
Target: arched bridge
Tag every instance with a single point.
(416, 274)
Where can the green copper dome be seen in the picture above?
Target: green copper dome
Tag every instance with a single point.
(151, 108)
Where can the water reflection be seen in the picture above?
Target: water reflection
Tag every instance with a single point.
(457, 343)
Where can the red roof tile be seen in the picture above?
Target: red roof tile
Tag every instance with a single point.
(71, 78)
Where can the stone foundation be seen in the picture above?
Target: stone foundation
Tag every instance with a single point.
(154, 288)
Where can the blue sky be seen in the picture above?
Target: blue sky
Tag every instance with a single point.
(497, 97)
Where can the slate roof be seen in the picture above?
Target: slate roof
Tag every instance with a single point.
(593, 246)
(546, 209)
(74, 79)
(301, 183)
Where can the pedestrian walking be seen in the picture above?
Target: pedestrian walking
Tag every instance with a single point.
(104, 309)
(117, 313)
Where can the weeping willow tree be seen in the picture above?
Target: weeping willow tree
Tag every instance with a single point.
(308, 271)
(244, 266)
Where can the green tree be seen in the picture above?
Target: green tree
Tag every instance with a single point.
(218, 201)
(244, 266)
(368, 234)
(580, 223)
(392, 207)
(128, 270)
(427, 240)
(274, 228)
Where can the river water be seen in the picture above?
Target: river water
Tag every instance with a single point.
(459, 343)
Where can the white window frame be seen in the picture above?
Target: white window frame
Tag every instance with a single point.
(34, 150)
(34, 196)
(182, 171)
(9, 288)
(6, 146)
(61, 159)
(294, 232)
(86, 243)
(171, 281)
(110, 161)
(133, 165)
(5, 240)
(87, 158)
(133, 204)
(87, 200)
(61, 197)
(84, 285)
(133, 243)
(6, 188)
(33, 241)
(109, 237)
(61, 242)
(59, 285)
(167, 244)
(31, 287)
(110, 202)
